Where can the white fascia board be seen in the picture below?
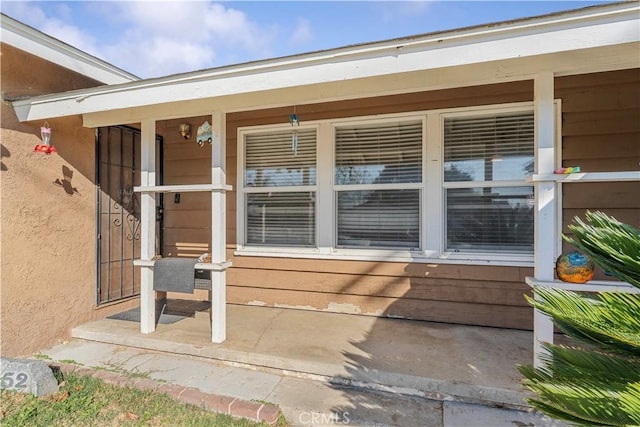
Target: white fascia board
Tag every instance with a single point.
(564, 34)
(23, 37)
(585, 61)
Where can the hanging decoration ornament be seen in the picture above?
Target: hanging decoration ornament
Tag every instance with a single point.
(204, 134)
(45, 135)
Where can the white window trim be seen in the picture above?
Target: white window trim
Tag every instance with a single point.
(324, 194)
(432, 228)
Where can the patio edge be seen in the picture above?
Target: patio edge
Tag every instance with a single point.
(238, 408)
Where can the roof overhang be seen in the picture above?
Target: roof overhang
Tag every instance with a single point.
(15, 33)
(595, 39)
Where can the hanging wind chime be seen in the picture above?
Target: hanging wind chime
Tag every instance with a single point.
(45, 135)
(293, 119)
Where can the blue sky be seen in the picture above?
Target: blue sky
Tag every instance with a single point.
(153, 39)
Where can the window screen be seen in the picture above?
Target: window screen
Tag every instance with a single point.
(279, 175)
(280, 159)
(281, 219)
(379, 154)
(493, 154)
(379, 218)
(493, 148)
(490, 219)
(385, 159)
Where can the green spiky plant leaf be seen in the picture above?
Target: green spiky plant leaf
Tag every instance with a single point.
(611, 244)
(608, 322)
(598, 383)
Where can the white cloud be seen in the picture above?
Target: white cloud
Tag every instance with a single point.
(398, 10)
(154, 38)
(160, 56)
(170, 37)
(71, 35)
(56, 27)
(302, 33)
(24, 12)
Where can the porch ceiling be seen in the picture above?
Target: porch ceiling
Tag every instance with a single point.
(589, 40)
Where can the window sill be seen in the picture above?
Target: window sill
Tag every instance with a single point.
(388, 256)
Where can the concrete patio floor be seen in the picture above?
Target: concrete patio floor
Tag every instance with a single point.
(415, 358)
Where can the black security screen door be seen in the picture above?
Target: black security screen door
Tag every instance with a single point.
(118, 207)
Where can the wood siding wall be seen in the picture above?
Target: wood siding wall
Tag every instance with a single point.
(601, 132)
(478, 295)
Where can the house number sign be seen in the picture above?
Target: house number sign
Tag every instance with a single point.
(27, 376)
(14, 380)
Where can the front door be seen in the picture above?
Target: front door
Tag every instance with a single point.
(118, 171)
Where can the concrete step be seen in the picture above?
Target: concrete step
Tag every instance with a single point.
(304, 401)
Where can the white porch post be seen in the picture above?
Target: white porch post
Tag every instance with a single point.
(546, 203)
(147, 226)
(218, 229)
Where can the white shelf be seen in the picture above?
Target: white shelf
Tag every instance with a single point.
(595, 286)
(143, 262)
(220, 266)
(187, 188)
(586, 177)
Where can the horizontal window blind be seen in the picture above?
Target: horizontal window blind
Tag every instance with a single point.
(497, 147)
(281, 219)
(483, 201)
(379, 154)
(379, 218)
(498, 219)
(282, 158)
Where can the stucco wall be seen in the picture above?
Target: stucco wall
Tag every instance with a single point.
(47, 214)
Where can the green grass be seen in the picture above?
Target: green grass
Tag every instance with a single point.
(41, 356)
(86, 401)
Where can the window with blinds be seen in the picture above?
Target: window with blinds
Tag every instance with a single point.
(378, 175)
(490, 219)
(280, 159)
(279, 187)
(281, 219)
(379, 154)
(489, 207)
(488, 148)
(379, 218)
(368, 195)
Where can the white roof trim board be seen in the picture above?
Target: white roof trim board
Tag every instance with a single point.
(28, 39)
(593, 39)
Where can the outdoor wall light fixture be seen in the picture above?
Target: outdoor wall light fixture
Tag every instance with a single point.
(185, 130)
(45, 135)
